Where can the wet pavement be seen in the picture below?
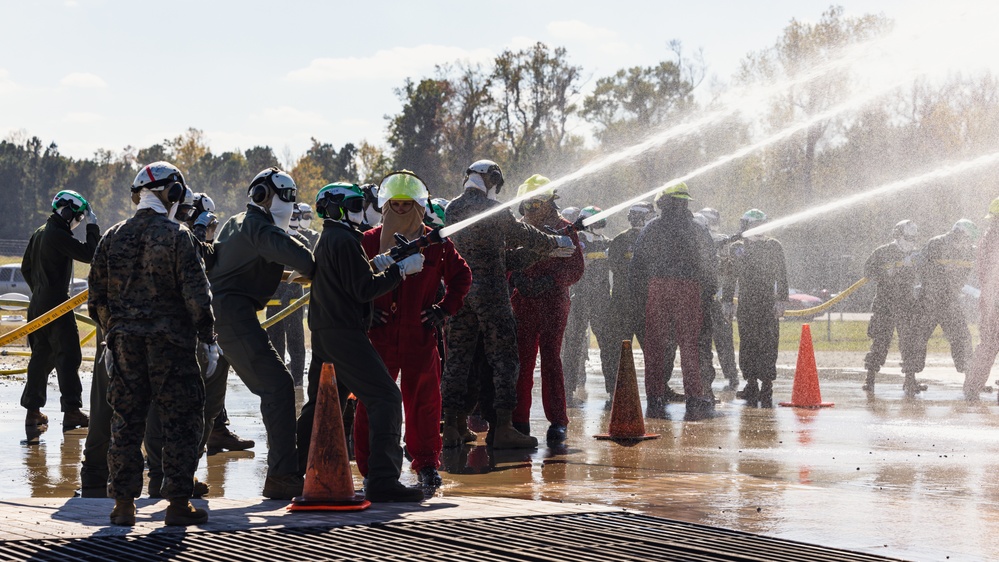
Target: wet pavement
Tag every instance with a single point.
(913, 478)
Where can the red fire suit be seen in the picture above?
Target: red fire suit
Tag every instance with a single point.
(410, 348)
(541, 317)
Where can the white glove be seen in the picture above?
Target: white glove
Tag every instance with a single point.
(89, 217)
(209, 352)
(108, 360)
(727, 310)
(381, 262)
(564, 249)
(411, 265)
(779, 308)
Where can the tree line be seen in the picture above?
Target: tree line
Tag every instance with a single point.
(526, 111)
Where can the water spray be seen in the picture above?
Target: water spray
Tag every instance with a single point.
(939, 173)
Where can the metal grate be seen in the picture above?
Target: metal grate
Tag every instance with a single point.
(582, 537)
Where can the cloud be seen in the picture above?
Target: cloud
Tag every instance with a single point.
(575, 30)
(83, 117)
(83, 80)
(6, 84)
(387, 64)
(289, 116)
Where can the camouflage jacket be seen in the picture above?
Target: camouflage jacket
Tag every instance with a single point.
(147, 279)
(484, 244)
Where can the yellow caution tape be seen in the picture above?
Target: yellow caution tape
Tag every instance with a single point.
(295, 305)
(88, 337)
(44, 319)
(20, 371)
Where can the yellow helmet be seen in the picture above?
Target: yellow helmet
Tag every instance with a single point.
(678, 191)
(403, 184)
(993, 209)
(535, 185)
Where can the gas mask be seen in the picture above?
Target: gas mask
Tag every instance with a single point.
(281, 212)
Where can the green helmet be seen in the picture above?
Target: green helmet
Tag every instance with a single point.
(969, 228)
(751, 218)
(69, 198)
(588, 212)
(403, 184)
(435, 212)
(335, 200)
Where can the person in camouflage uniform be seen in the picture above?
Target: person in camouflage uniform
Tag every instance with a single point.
(759, 271)
(47, 267)
(487, 308)
(150, 295)
(943, 268)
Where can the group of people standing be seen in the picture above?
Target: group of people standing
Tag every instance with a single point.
(433, 330)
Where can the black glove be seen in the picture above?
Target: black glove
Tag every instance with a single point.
(433, 317)
(379, 318)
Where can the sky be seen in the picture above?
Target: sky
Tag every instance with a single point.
(91, 74)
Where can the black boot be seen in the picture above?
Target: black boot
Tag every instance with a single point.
(750, 393)
(869, 383)
(767, 394)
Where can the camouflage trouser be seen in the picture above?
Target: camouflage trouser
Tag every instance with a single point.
(149, 371)
(487, 312)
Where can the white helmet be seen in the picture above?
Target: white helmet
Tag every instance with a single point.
(486, 169)
(570, 213)
(203, 203)
(272, 179)
(159, 176)
(185, 211)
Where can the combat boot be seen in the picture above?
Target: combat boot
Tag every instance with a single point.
(283, 487)
(35, 417)
(869, 383)
(156, 482)
(910, 387)
(506, 437)
(674, 396)
(750, 393)
(392, 491)
(181, 512)
(428, 477)
(74, 419)
(123, 513)
(467, 435)
(451, 435)
(221, 439)
(655, 408)
(556, 434)
(767, 394)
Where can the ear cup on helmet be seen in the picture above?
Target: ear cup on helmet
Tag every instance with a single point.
(257, 193)
(175, 192)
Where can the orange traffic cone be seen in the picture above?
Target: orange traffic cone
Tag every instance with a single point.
(626, 422)
(329, 485)
(805, 393)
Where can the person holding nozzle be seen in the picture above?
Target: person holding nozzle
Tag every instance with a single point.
(626, 320)
(47, 267)
(669, 267)
(721, 326)
(344, 289)
(541, 308)
(943, 268)
(759, 274)
(590, 302)
(150, 295)
(406, 320)
(487, 308)
(988, 307)
(892, 268)
(252, 250)
(289, 333)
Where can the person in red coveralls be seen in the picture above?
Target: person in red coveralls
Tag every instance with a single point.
(403, 330)
(541, 306)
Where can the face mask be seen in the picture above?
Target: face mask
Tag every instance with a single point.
(906, 246)
(305, 223)
(172, 213)
(294, 223)
(476, 181)
(356, 218)
(371, 216)
(281, 212)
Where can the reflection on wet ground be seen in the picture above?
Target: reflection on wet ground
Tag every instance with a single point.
(887, 475)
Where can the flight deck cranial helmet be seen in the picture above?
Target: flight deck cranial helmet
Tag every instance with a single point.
(184, 211)
(336, 200)
(588, 212)
(161, 176)
(70, 205)
(967, 228)
(639, 213)
(751, 218)
(485, 175)
(435, 215)
(306, 220)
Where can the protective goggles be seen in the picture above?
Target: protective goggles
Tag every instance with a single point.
(353, 205)
(185, 212)
(286, 194)
(534, 204)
